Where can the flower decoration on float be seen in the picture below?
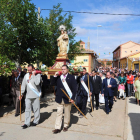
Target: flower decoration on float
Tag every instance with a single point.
(73, 69)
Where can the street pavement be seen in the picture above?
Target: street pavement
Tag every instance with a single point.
(98, 125)
(133, 119)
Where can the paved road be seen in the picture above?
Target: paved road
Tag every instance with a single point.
(133, 119)
(98, 127)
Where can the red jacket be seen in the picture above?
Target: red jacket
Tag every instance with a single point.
(130, 81)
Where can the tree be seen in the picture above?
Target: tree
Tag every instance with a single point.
(20, 31)
(25, 39)
(6, 65)
(49, 50)
(102, 63)
(108, 63)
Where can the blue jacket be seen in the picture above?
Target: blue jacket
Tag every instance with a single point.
(56, 81)
(109, 91)
(81, 89)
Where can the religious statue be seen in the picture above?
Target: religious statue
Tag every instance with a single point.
(63, 43)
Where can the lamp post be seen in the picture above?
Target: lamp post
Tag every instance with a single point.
(97, 37)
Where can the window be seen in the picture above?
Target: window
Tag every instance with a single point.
(85, 60)
(81, 46)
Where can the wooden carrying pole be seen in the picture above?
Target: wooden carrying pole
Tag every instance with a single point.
(73, 103)
(20, 102)
(89, 91)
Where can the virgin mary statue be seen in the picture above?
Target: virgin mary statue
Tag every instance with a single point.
(63, 43)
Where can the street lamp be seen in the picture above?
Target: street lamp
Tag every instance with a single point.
(97, 37)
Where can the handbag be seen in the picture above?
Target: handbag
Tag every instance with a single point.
(101, 99)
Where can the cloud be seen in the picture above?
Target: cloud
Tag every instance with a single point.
(115, 30)
(108, 56)
(80, 31)
(91, 20)
(107, 48)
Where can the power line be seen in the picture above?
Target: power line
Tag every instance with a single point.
(95, 13)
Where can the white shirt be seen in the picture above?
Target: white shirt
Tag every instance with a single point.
(108, 81)
(65, 76)
(16, 78)
(103, 77)
(94, 77)
(83, 77)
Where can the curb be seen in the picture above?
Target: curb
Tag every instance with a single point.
(125, 133)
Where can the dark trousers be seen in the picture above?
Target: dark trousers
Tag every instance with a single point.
(43, 90)
(129, 87)
(1, 96)
(82, 103)
(108, 103)
(96, 96)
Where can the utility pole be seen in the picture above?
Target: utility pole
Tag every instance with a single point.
(38, 21)
(38, 13)
(88, 44)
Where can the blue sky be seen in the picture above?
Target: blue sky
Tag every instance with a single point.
(115, 30)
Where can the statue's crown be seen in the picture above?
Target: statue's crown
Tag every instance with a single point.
(62, 27)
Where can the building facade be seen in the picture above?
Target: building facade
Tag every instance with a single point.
(124, 51)
(105, 62)
(87, 58)
(132, 60)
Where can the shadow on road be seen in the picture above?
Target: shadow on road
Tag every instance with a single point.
(1, 133)
(132, 100)
(135, 123)
(102, 106)
(5, 110)
(54, 110)
(74, 120)
(43, 105)
(44, 116)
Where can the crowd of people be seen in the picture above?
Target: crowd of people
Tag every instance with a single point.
(13, 82)
(126, 81)
(110, 84)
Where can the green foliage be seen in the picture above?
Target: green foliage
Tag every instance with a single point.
(71, 69)
(108, 63)
(49, 49)
(6, 65)
(20, 31)
(25, 39)
(102, 63)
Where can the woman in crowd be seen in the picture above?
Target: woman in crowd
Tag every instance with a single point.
(116, 89)
(137, 89)
(136, 78)
(121, 88)
(130, 79)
